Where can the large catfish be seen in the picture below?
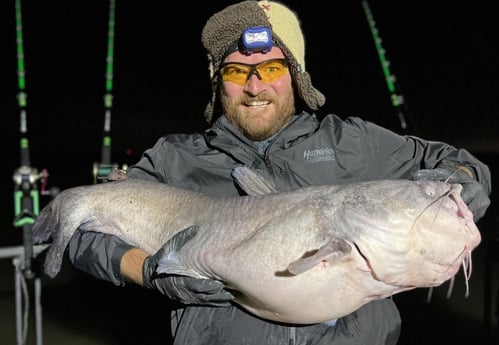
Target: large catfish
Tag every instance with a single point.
(305, 256)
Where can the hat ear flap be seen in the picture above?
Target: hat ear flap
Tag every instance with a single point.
(210, 107)
(208, 111)
(312, 97)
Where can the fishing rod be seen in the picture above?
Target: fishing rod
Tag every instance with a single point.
(26, 194)
(102, 169)
(406, 120)
(26, 204)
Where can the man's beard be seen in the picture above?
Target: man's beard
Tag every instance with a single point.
(253, 125)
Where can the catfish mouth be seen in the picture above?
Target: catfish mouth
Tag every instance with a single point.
(452, 200)
(454, 194)
(465, 215)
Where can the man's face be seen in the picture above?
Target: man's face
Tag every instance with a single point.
(258, 108)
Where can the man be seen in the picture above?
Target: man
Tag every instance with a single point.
(260, 93)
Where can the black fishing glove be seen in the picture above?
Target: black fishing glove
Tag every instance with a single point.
(185, 289)
(473, 193)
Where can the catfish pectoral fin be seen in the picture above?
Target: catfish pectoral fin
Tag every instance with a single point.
(331, 252)
(169, 262)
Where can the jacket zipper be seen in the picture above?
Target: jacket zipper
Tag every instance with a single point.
(292, 336)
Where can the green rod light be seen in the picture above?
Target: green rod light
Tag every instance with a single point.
(385, 64)
(110, 46)
(102, 169)
(396, 98)
(20, 50)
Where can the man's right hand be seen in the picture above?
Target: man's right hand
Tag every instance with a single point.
(185, 289)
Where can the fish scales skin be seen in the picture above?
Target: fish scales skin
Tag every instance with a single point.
(305, 256)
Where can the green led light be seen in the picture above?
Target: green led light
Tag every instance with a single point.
(20, 50)
(24, 143)
(106, 141)
(110, 49)
(22, 99)
(108, 100)
(396, 99)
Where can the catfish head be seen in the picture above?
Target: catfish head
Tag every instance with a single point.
(411, 233)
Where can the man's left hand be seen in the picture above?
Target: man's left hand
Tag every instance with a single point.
(473, 193)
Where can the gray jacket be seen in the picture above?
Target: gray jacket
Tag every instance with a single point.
(306, 152)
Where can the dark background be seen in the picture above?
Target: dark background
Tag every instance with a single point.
(443, 53)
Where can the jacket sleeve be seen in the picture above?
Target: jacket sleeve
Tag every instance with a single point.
(396, 156)
(437, 153)
(98, 254)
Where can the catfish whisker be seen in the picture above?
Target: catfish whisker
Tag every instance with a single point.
(452, 174)
(467, 268)
(430, 295)
(451, 287)
(439, 199)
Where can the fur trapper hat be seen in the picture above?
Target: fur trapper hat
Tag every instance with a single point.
(224, 28)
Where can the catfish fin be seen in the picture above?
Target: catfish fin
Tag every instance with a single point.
(252, 182)
(46, 224)
(170, 263)
(333, 251)
(48, 228)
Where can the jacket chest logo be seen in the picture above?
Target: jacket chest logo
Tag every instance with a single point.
(323, 154)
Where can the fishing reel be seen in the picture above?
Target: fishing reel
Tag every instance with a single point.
(26, 180)
(101, 171)
(26, 176)
(26, 194)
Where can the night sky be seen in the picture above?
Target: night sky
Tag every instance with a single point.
(444, 55)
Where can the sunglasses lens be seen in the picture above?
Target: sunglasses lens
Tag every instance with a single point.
(270, 71)
(267, 71)
(235, 73)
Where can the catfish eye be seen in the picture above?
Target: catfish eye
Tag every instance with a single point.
(430, 191)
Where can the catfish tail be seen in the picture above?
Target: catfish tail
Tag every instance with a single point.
(47, 226)
(43, 228)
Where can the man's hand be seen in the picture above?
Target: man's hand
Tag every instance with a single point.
(185, 289)
(473, 193)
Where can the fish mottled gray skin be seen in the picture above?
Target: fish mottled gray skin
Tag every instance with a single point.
(306, 256)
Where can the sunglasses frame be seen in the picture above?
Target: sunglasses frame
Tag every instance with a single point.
(252, 68)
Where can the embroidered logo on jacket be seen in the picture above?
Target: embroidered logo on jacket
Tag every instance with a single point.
(319, 155)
